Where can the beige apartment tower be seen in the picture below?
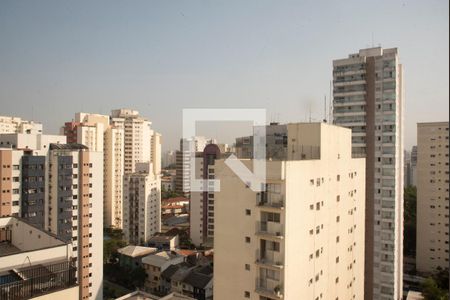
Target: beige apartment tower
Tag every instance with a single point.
(432, 196)
(368, 98)
(303, 237)
(75, 211)
(141, 204)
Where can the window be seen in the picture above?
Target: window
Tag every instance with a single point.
(247, 294)
(248, 212)
(247, 239)
(247, 267)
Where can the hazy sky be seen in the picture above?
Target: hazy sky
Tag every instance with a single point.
(61, 57)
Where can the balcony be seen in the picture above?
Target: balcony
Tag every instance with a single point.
(270, 288)
(270, 201)
(270, 230)
(270, 259)
(33, 281)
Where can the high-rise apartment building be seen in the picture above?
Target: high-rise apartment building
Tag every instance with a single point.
(18, 125)
(183, 162)
(142, 204)
(96, 132)
(301, 238)
(75, 210)
(432, 196)
(125, 139)
(201, 207)
(407, 168)
(169, 158)
(368, 98)
(142, 144)
(10, 183)
(24, 175)
(413, 170)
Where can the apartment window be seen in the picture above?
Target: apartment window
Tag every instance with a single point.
(248, 212)
(247, 267)
(247, 239)
(247, 294)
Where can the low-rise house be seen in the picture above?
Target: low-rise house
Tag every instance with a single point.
(175, 206)
(131, 256)
(414, 296)
(164, 242)
(140, 295)
(192, 281)
(199, 283)
(166, 278)
(155, 264)
(178, 278)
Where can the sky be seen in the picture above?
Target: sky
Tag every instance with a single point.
(160, 57)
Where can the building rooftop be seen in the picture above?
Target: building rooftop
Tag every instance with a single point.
(21, 236)
(135, 251)
(72, 146)
(159, 259)
(161, 238)
(170, 271)
(140, 295)
(175, 200)
(414, 296)
(197, 279)
(181, 273)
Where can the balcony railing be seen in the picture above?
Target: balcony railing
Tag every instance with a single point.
(270, 200)
(270, 258)
(270, 229)
(33, 281)
(271, 288)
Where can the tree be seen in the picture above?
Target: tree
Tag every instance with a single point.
(138, 276)
(110, 248)
(431, 290)
(442, 278)
(410, 197)
(169, 194)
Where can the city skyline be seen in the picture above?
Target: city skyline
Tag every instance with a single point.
(159, 58)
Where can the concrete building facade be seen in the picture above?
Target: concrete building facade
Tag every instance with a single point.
(368, 98)
(75, 210)
(432, 249)
(96, 132)
(141, 204)
(303, 237)
(34, 264)
(19, 125)
(201, 209)
(183, 162)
